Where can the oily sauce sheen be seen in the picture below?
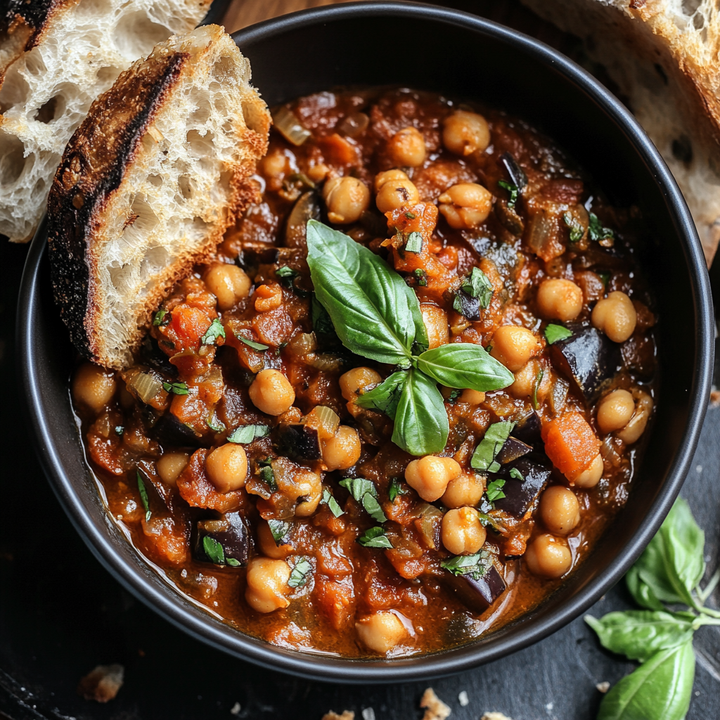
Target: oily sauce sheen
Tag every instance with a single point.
(261, 531)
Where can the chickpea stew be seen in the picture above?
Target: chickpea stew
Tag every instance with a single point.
(407, 396)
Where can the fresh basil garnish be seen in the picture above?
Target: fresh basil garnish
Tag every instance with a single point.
(474, 566)
(216, 552)
(515, 473)
(119, 430)
(495, 490)
(576, 229)
(332, 503)
(143, 496)
(320, 319)
(162, 318)
(215, 331)
(512, 190)
(596, 231)
(245, 434)
(553, 333)
(375, 537)
(384, 397)
(300, 573)
(478, 285)
(465, 365)
(287, 275)
(453, 396)
(395, 489)
(496, 435)
(366, 494)
(176, 388)
(421, 277)
(280, 531)
(267, 474)
(414, 243)
(252, 343)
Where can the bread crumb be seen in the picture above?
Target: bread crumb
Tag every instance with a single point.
(463, 699)
(102, 683)
(346, 715)
(715, 398)
(494, 716)
(603, 687)
(235, 709)
(435, 708)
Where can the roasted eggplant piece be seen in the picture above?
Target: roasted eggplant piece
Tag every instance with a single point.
(478, 594)
(306, 208)
(521, 494)
(297, 442)
(168, 430)
(512, 450)
(509, 218)
(588, 359)
(222, 541)
(467, 305)
(514, 171)
(528, 429)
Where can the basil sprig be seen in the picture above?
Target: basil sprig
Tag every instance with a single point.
(375, 314)
(668, 573)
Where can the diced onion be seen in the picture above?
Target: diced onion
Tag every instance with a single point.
(325, 362)
(290, 127)
(302, 344)
(325, 420)
(146, 386)
(354, 124)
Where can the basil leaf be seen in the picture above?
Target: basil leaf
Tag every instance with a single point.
(483, 458)
(287, 275)
(596, 231)
(479, 286)
(576, 229)
(475, 566)
(384, 397)
(215, 425)
(641, 591)
(465, 365)
(494, 490)
(553, 333)
(320, 319)
(374, 312)
(515, 473)
(215, 331)
(395, 489)
(365, 492)
(660, 688)
(421, 422)
(267, 475)
(512, 189)
(143, 496)
(251, 343)
(247, 433)
(421, 277)
(300, 573)
(332, 503)
(177, 388)
(214, 550)
(280, 530)
(375, 537)
(638, 634)
(161, 318)
(414, 243)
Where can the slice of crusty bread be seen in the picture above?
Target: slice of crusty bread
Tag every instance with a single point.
(664, 56)
(148, 184)
(56, 57)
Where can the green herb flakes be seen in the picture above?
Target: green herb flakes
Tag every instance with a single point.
(287, 275)
(143, 496)
(395, 489)
(496, 435)
(414, 243)
(453, 396)
(214, 550)
(478, 285)
(332, 503)
(119, 430)
(252, 344)
(300, 573)
(474, 566)
(176, 388)
(366, 494)
(515, 473)
(495, 490)
(245, 434)
(576, 229)
(215, 425)
(410, 215)
(162, 318)
(553, 333)
(512, 189)
(421, 277)
(375, 537)
(597, 232)
(215, 331)
(280, 531)
(538, 380)
(267, 475)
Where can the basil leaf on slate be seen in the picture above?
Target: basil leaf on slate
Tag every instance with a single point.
(365, 493)
(553, 333)
(247, 433)
(465, 365)
(660, 688)
(374, 312)
(375, 537)
(300, 573)
(384, 397)
(483, 458)
(421, 422)
(638, 634)
(641, 591)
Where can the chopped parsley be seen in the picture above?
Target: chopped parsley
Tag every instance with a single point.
(494, 490)
(395, 489)
(474, 566)
(280, 531)
(421, 277)
(266, 473)
(515, 473)
(512, 190)
(300, 573)
(553, 333)
(596, 231)
(247, 433)
(162, 318)
(332, 503)
(365, 493)
(215, 331)
(576, 229)
(375, 537)
(251, 343)
(143, 496)
(414, 243)
(483, 458)
(176, 388)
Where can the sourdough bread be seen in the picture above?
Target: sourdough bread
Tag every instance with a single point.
(56, 57)
(147, 186)
(664, 56)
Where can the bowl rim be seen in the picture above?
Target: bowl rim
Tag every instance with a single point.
(170, 604)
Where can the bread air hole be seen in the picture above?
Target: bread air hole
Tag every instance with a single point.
(136, 34)
(12, 159)
(254, 118)
(15, 90)
(224, 69)
(200, 145)
(48, 111)
(185, 185)
(154, 262)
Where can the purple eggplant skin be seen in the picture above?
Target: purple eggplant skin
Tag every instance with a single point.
(467, 305)
(520, 495)
(512, 450)
(230, 531)
(528, 429)
(588, 359)
(297, 442)
(168, 430)
(477, 595)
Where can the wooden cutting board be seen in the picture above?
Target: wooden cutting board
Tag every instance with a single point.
(246, 12)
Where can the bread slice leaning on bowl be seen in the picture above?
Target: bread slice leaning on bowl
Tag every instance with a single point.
(147, 186)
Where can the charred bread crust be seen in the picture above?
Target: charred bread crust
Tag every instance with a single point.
(93, 167)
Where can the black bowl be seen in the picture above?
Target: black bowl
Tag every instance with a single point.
(462, 56)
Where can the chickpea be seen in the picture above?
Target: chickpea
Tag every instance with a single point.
(228, 283)
(170, 465)
(465, 205)
(429, 476)
(227, 467)
(589, 476)
(615, 315)
(472, 397)
(271, 392)
(467, 489)
(559, 510)
(268, 546)
(389, 176)
(462, 533)
(548, 557)
(465, 132)
(525, 380)
(636, 426)
(513, 346)
(559, 299)
(308, 485)
(355, 381)
(380, 632)
(615, 410)
(343, 450)
(267, 584)
(346, 198)
(395, 193)
(407, 148)
(93, 386)
(436, 324)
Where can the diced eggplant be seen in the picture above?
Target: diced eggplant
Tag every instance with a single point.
(229, 540)
(306, 208)
(467, 305)
(588, 359)
(509, 218)
(169, 430)
(514, 171)
(528, 429)
(512, 450)
(256, 253)
(154, 486)
(521, 494)
(297, 442)
(477, 594)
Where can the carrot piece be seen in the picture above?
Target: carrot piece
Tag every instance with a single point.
(570, 442)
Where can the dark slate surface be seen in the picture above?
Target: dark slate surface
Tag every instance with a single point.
(61, 614)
